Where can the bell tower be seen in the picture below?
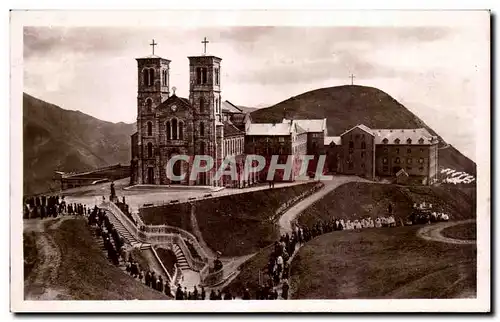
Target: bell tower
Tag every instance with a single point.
(205, 97)
(153, 88)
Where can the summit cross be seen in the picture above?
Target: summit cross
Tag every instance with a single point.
(352, 79)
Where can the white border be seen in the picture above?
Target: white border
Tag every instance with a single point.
(229, 18)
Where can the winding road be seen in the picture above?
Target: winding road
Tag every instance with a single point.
(433, 232)
(286, 220)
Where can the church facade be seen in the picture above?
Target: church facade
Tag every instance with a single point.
(168, 125)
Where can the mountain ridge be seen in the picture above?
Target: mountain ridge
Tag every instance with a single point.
(66, 140)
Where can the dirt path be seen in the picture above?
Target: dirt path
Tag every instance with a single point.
(433, 232)
(46, 269)
(285, 221)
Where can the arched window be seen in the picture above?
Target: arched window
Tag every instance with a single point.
(174, 129)
(181, 131)
(169, 131)
(363, 145)
(150, 129)
(165, 78)
(150, 150)
(398, 161)
(149, 104)
(151, 76)
(202, 129)
(145, 77)
(202, 148)
(202, 105)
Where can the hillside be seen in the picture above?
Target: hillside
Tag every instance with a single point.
(58, 139)
(72, 266)
(356, 200)
(349, 105)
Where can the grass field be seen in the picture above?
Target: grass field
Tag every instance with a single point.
(464, 231)
(235, 225)
(249, 273)
(82, 272)
(382, 263)
(357, 200)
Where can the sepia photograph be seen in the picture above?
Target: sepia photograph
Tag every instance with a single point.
(163, 161)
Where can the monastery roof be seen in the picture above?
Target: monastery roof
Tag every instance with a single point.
(231, 130)
(268, 129)
(229, 107)
(309, 125)
(404, 136)
(360, 126)
(335, 139)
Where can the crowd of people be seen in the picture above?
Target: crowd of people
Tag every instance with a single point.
(51, 206)
(113, 242)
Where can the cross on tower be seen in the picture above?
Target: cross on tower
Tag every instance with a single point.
(153, 44)
(352, 79)
(205, 42)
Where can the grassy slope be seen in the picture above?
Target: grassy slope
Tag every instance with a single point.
(234, 225)
(85, 274)
(357, 200)
(382, 263)
(249, 273)
(58, 139)
(239, 224)
(347, 106)
(464, 231)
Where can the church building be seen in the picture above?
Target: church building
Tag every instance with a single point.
(169, 125)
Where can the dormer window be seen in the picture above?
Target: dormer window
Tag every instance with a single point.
(421, 141)
(385, 140)
(408, 141)
(397, 141)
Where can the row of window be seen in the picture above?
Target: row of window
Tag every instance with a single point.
(386, 150)
(174, 129)
(408, 141)
(202, 75)
(148, 77)
(351, 145)
(234, 146)
(408, 161)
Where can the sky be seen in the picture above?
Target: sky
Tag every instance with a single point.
(439, 72)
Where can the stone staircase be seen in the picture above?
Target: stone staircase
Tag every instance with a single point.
(123, 232)
(181, 259)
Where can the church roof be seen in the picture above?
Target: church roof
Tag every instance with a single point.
(152, 57)
(174, 98)
(231, 130)
(268, 129)
(229, 107)
(404, 136)
(312, 125)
